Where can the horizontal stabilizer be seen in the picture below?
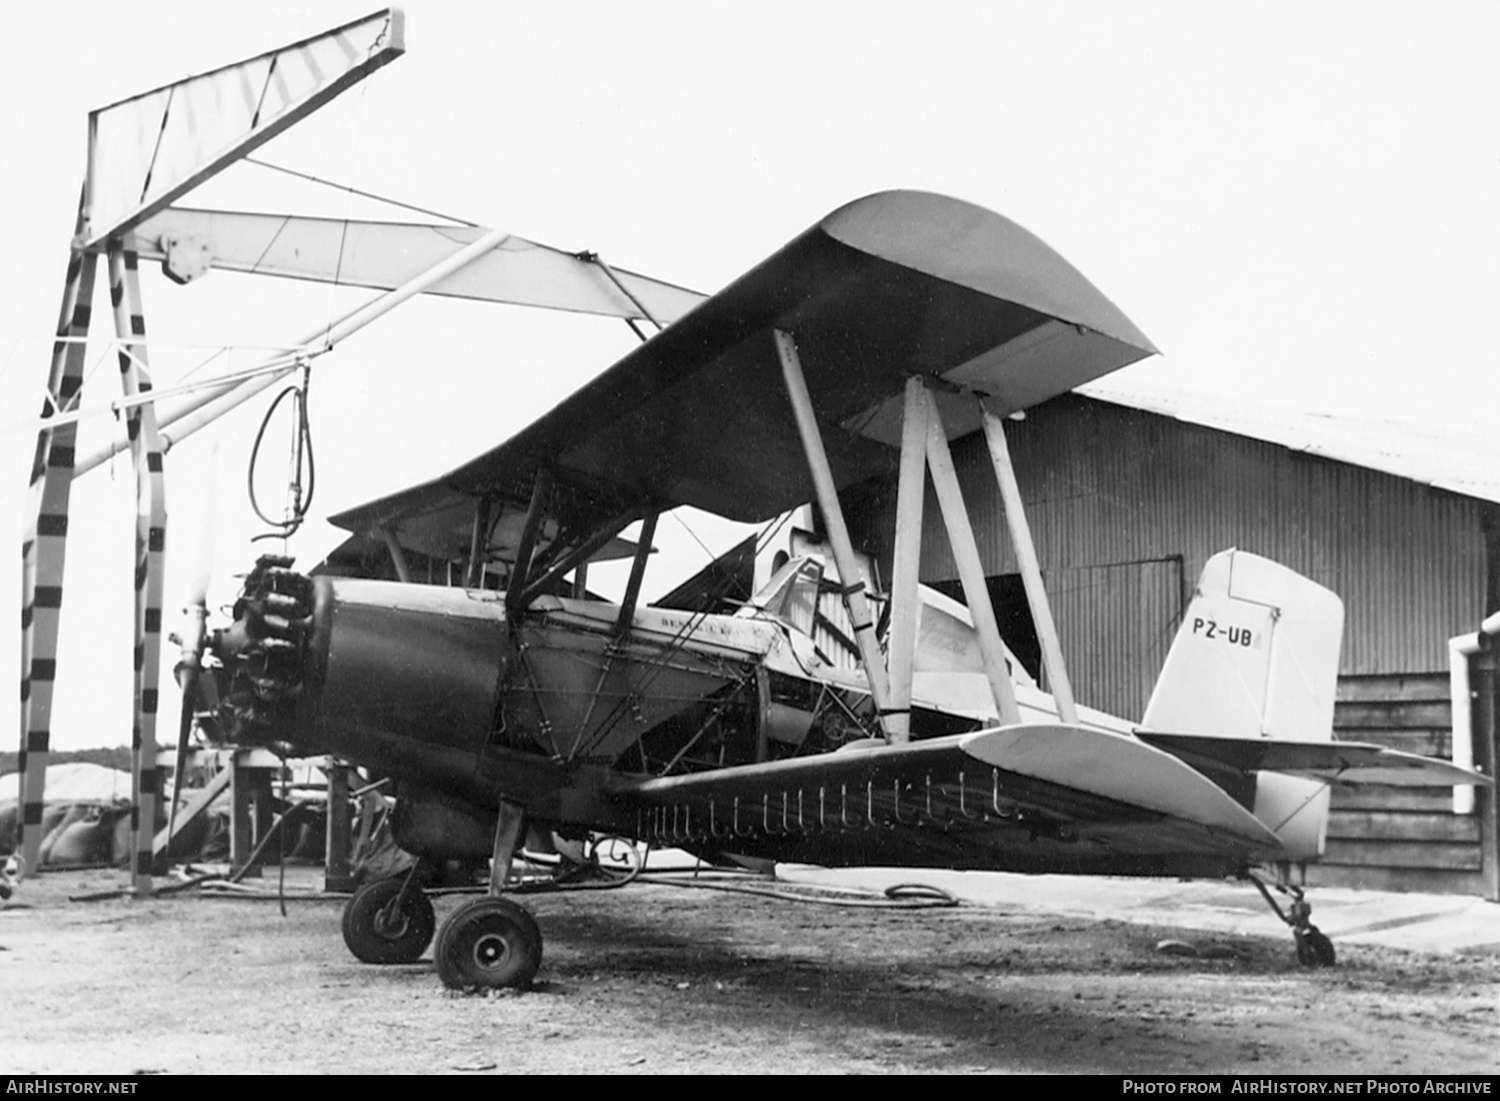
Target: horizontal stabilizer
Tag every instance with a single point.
(1117, 767)
(1330, 762)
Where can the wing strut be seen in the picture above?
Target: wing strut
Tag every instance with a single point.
(541, 495)
(970, 570)
(921, 421)
(906, 568)
(637, 573)
(575, 558)
(479, 537)
(838, 531)
(1031, 571)
(398, 556)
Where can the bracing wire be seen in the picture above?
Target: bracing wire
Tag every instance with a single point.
(684, 526)
(679, 639)
(338, 273)
(362, 194)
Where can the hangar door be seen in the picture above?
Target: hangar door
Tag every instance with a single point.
(1116, 624)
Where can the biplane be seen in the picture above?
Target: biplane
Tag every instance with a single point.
(851, 357)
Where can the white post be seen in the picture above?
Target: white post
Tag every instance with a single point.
(1460, 649)
(838, 532)
(970, 570)
(1031, 570)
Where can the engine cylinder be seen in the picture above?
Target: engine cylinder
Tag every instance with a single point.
(329, 665)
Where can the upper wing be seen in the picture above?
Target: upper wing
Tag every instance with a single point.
(893, 285)
(1032, 797)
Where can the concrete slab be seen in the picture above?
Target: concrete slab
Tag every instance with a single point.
(1415, 922)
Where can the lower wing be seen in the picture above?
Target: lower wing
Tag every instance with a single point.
(1034, 797)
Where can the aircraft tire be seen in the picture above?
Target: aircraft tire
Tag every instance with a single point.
(375, 935)
(1314, 949)
(488, 943)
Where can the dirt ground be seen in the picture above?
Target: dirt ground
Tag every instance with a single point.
(663, 979)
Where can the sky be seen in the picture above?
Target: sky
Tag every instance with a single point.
(1295, 201)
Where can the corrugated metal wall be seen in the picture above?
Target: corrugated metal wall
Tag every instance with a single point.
(1113, 494)
(1121, 620)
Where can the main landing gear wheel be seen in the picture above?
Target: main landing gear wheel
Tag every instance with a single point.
(488, 943)
(389, 922)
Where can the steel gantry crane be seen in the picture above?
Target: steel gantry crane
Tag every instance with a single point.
(146, 154)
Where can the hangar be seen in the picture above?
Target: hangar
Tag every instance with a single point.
(1128, 495)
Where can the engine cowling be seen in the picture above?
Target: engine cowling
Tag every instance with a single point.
(332, 665)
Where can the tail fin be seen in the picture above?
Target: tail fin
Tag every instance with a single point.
(1257, 657)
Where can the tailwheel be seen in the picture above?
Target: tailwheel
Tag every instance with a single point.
(487, 944)
(1314, 949)
(389, 921)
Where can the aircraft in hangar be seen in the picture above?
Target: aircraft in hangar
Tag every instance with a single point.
(849, 358)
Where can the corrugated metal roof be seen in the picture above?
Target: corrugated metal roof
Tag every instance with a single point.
(1460, 459)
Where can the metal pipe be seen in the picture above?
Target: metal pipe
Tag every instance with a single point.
(634, 301)
(279, 368)
(187, 417)
(1460, 693)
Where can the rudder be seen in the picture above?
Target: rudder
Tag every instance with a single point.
(1257, 657)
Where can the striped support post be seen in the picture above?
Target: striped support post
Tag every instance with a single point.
(150, 546)
(44, 551)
